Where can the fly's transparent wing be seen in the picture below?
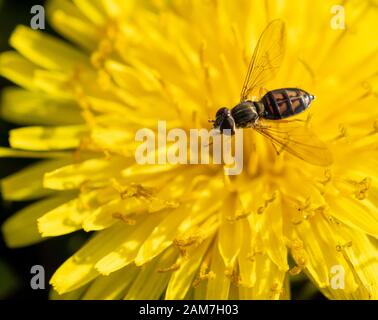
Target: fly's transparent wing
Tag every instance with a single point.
(266, 58)
(297, 139)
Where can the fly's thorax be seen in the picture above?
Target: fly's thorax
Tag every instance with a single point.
(259, 107)
(245, 114)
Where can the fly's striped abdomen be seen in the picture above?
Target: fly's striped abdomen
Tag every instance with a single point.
(286, 102)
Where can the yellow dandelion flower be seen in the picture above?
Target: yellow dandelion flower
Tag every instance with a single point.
(189, 231)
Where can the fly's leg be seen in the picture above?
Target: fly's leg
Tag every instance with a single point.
(258, 125)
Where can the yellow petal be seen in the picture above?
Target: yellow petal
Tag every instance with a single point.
(150, 283)
(73, 295)
(65, 17)
(70, 216)
(116, 140)
(21, 228)
(245, 258)
(145, 170)
(12, 153)
(272, 233)
(18, 69)
(32, 108)
(320, 242)
(116, 8)
(79, 269)
(111, 287)
(92, 9)
(355, 213)
(200, 291)
(161, 237)
(47, 138)
(104, 216)
(218, 286)
(364, 258)
(229, 241)
(14, 187)
(57, 84)
(73, 176)
(308, 251)
(230, 236)
(129, 245)
(64, 219)
(268, 287)
(286, 290)
(361, 256)
(182, 279)
(56, 55)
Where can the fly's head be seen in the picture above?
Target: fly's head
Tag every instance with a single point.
(224, 122)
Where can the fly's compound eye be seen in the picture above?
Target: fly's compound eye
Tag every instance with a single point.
(227, 126)
(221, 114)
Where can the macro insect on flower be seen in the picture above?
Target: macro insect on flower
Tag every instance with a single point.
(189, 231)
(275, 105)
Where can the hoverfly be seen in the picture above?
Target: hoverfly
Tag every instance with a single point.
(267, 115)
